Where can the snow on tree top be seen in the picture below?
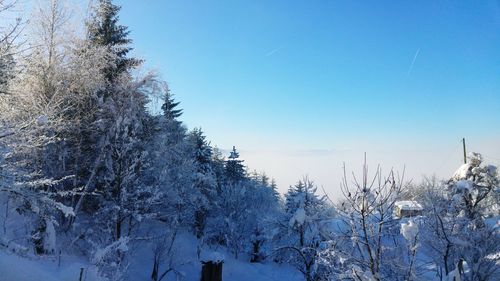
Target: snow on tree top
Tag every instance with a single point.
(409, 205)
(462, 172)
(213, 257)
(234, 154)
(298, 218)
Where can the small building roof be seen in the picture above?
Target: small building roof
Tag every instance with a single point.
(409, 205)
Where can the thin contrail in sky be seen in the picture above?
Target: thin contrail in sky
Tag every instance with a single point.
(412, 63)
(272, 52)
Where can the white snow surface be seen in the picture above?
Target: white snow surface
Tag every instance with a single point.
(16, 268)
(454, 275)
(462, 172)
(66, 210)
(409, 230)
(50, 237)
(298, 218)
(102, 253)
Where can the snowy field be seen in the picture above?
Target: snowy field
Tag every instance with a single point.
(17, 268)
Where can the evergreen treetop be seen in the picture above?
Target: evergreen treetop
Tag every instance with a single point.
(103, 29)
(235, 170)
(169, 107)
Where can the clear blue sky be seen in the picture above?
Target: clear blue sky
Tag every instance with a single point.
(300, 85)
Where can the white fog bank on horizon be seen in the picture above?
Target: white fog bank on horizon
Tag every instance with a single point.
(324, 166)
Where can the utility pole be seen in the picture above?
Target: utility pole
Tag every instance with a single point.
(465, 153)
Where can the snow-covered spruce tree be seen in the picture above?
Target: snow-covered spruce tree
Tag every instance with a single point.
(227, 197)
(241, 218)
(264, 180)
(103, 29)
(266, 211)
(218, 162)
(235, 170)
(104, 32)
(112, 156)
(173, 165)
(179, 171)
(459, 237)
(204, 179)
(302, 235)
(123, 195)
(113, 200)
(227, 223)
(124, 200)
(169, 107)
(241, 213)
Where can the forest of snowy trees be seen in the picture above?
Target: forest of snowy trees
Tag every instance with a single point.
(88, 169)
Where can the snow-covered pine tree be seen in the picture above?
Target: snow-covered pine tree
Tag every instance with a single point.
(112, 154)
(241, 218)
(103, 29)
(122, 200)
(173, 164)
(265, 212)
(169, 107)
(218, 167)
(204, 179)
(104, 32)
(305, 212)
(235, 170)
(122, 193)
(245, 207)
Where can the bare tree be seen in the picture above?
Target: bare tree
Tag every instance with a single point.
(367, 212)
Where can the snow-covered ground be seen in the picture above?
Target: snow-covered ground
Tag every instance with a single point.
(189, 265)
(16, 268)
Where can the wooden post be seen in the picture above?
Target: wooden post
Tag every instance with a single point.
(465, 153)
(211, 271)
(81, 274)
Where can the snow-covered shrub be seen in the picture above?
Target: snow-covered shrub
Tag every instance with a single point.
(456, 231)
(302, 235)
